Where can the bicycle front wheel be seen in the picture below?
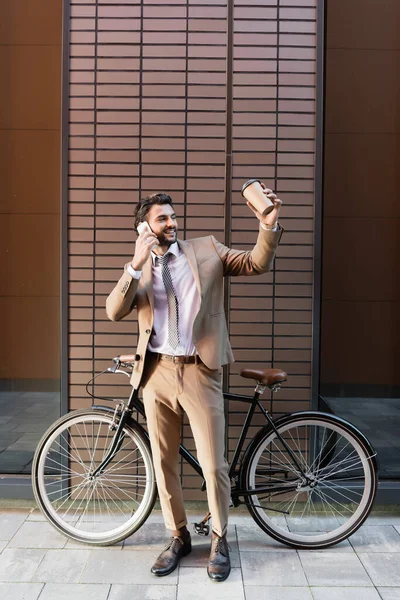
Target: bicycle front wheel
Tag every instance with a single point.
(334, 500)
(103, 509)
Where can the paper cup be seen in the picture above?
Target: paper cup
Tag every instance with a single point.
(254, 194)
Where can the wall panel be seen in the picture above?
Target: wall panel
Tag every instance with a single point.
(193, 98)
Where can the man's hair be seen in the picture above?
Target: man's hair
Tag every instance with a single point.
(145, 204)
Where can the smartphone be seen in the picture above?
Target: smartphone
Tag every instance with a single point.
(143, 226)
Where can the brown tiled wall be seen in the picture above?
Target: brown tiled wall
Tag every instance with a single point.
(30, 120)
(360, 322)
(152, 107)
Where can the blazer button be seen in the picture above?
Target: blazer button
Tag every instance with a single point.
(148, 331)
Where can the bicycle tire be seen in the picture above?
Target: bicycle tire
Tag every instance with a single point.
(123, 495)
(329, 525)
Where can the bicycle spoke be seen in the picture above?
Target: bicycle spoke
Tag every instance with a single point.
(329, 500)
(299, 455)
(333, 505)
(290, 468)
(319, 456)
(101, 508)
(351, 466)
(114, 466)
(113, 486)
(340, 462)
(331, 485)
(69, 455)
(108, 492)
(63, 467)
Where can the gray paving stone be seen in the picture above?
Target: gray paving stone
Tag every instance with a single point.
(36, 515)
(389, 593)
(73, 591)
(321, 523)
(20, 591)
(277, 519)
(150, 536)
(142, 592)
(3, 544)
(238, 518)
(73, 544)
(19, 564)
(256, 592)
(10, 522)
(383, 568)
(252, 538)
(194, 583)
(156, 517)
(272, 569)
(343, 546)
(383, 538)
(4, 420)
(344, 593)
(31, 426)
(123, 567)
(61, 566)
(28, 441)
(333, 569)
(37, 535)
(389, 519)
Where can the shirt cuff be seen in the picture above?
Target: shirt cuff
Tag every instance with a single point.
(133, 273)
(276, 228)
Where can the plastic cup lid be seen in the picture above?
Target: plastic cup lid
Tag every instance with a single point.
(249, 182)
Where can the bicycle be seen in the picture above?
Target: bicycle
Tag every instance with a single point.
(308, 478)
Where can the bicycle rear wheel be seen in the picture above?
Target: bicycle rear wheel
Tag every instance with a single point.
(98, 510)
(342, 484)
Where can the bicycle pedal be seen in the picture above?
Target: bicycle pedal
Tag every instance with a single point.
(201, 529)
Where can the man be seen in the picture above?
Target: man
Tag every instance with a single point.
(177, 287)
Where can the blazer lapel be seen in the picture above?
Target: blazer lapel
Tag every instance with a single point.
(147, 278)
(191, 258)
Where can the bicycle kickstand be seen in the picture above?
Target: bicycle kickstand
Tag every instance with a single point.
(203, 528)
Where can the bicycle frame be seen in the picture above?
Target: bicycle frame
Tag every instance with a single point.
(134, 403)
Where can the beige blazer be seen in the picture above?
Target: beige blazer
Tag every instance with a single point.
(210, 262)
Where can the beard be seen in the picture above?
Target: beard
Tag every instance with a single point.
(165, 239)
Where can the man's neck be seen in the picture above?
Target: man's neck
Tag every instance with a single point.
(161, 250)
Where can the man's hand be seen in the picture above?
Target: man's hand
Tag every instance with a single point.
(144, 244)
(272, 217)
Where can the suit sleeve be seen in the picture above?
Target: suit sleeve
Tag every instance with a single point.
(122, 299)
(252, 262)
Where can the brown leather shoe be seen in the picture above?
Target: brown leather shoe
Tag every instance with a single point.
(169, 558)
(219, 564)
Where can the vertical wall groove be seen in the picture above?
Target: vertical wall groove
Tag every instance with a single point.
(276, 190)
(95, 70)
(228, 166)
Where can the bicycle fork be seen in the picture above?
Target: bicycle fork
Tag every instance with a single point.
(122, 410)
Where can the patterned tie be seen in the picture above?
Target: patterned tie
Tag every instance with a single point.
(173, 307)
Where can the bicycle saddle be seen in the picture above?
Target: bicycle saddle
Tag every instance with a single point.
(264, 376)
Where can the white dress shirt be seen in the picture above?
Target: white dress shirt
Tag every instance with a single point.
(188, 299)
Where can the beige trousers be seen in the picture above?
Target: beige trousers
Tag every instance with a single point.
(168, 390)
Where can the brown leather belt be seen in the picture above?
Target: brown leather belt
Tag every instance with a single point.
(177, 359)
